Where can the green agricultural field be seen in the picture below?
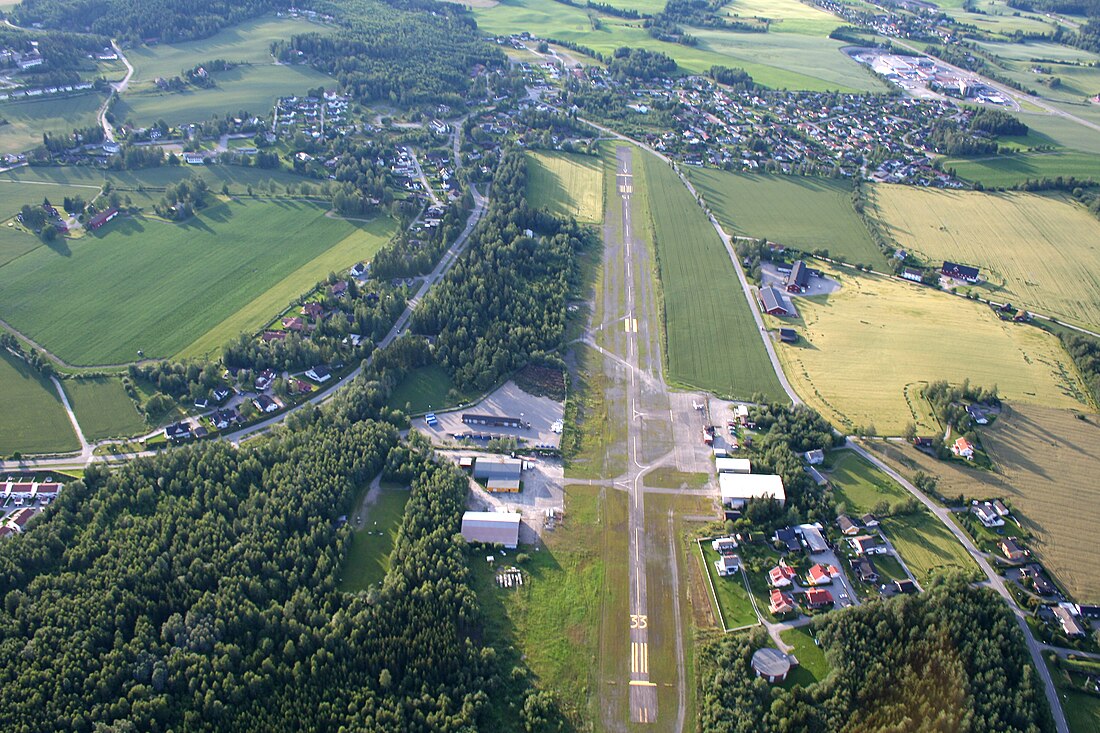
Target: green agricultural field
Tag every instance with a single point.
(787, 16)
(796, 211)
(251, 89)
(26, 121)
(1038, 51)
(788, 60)
(423, 389)
(566, 185)
(150, 285)
(812, 665)
(103, 408)
(733, 598)
(711, 337)
(16, 241)
(1039, 252)
(368, 558)
(867, 350)
(1009, 170)
(926, 545)
(859, 485)
(34, 420)
(1066, 132)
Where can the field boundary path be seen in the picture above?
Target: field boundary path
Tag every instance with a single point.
(117, 88)
(995, 581)
(85, 448)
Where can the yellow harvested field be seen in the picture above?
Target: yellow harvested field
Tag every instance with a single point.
(1037, 252)
(567, 185)
(1045, 464)
(868, 349)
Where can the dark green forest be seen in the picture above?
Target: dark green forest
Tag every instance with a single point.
(950, 659)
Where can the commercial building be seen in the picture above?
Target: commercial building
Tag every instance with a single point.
(733, 465)
(491, 528)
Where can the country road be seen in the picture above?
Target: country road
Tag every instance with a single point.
(118, 88)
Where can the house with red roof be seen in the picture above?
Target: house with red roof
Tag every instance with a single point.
(781, 602)
(819, 598)
(822, 574)
(780, 576)
(963, 448)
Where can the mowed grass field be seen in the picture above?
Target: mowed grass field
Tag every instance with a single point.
(867, 350)
(926, 545)
(252, 87)
(155, 286)
(27, 120)
(33, 419)
(1045, 463)
(1039, 252)
(712, 339)
(804, 59)
(566, 185)
(1008, 170)
(795, 211)
(368, 558)
(103, 408)
(858, 485)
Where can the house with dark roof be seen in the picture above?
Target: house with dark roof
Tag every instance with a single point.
(727, 565)
(1011, 550)
(1070, 625)
(265, 404)
(1039, 580)
(773, 303)
(178, 431)
(787, 536)
(788, 335)
(864, 569)
(847, 526)
(960, 272)
(799, 279)
(319, 374)
(905, 586)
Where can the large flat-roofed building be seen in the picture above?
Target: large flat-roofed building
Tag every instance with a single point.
(492, 528)
(738, 488)
(496, 421)
(733, 465)
(497, 468)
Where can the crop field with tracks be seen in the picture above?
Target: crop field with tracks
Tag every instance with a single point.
(566, 185)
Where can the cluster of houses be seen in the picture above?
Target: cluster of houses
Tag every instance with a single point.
(27, 497)
(782, 577)
(317, 117)
(47, 91)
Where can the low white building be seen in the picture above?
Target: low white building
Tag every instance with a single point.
(733, 465)
(738, 488)
(492, 528)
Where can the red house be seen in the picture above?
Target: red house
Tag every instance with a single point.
(819, 598)
(102, 218)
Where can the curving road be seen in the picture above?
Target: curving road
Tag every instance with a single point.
(119, 88)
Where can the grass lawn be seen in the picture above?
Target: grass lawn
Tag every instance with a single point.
(1008, 170)
(867, 350)
(593, 443)
(733, 597)
(812, 665)
(711, 337)
(859, 485)
(671, 478)
(926, 545)
(803, 59)
(27, 120)
(368, 558)
(796, 211)
(423, 389)
(566, 185)
(555, 619)
(889, 567)
(1041, 252)
(1047, 461)
(34, 420)
(103, 408)
(127, 283)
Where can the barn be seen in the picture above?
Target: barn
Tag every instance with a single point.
(773, 302)
(799, 279)
(960, 272)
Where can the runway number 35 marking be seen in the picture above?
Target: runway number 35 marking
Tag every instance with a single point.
(638, 621)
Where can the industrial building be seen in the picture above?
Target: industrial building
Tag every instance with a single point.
(496, 421)
(738, 488)
(733, 465)
(491, 528)
(498, 473)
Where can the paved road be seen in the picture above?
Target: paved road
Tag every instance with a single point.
(995, 581)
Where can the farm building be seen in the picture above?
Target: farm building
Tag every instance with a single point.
(774, 303)
(499, 473)
(733, 465)
(771, 664)
(738, 488)
(495, 421)
(799, 279)
(102, 218)
(912, 274)
(813, 538)
(492, 528)
(727, 565)
(960, 272)
(788, 335)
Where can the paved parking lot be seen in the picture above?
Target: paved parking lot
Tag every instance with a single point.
(508, 401)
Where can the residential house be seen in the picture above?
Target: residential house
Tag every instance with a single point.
(18, 519)
(912, 274)
(178, 431)
(780, 576)
(821, 574)
(1070, 625)
(221, 394)
(847, 526)
(819, 598)
(864, 569)
(724, 545)
(780, 602)
(978, 414)
(294, 323)
(338, 288)
(815, 457)
(265, 404)
(963, 448)
(960, 272)
(788, 537)
(986, 514)
(1039, 580)
(264, 380)
(269, 336)
(869, 521)
(813, 538)
(867, 545)
(1000, 508)
(319, 374)
(727, 565)
(905, 586)
(1011, 550)
(313, 310)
